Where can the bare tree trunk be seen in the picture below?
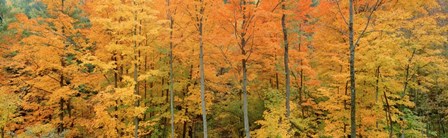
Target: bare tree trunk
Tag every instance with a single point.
(389, 115)
(171, 81)
(246, 117)
(201, 67)
(377, 90)
(145, 89)
(61, 102)
(136, 90)
(377, 83)
(352, 74)
(244, 67)
(114, 58)
(406, 81)
(301, 80)
(285, 43)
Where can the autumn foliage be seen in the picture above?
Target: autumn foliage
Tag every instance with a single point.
(223, 68)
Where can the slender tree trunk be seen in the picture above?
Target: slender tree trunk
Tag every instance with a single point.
(286, 56)
(377, 90)
(352, 74)
(246, 117)
(165, 119)
(301, 92)
(244, 67)
(136, 104)
(171, 87)
(377, 83)
(406, 81)
(408, 66)
(114, 58)
(389, 115)
(201, 67)
(184, 133)
(301, 80)
(61, 83)
(136, 90)
(61, 101)
(145, 89)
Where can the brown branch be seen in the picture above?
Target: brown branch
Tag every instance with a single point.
(340, 12)
(374, 8)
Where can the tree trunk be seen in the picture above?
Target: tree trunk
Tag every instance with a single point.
(352, 74)
(184, 133)
(285, 42)
(145, 89)
(114, 58)
(377, 90)
(301, 80)
(201, 67)
(389, 115)
(136, 90)
(246, 117)
(377, 83)
(171, 81)
(61, 83)
(61, 102)
(406, 81)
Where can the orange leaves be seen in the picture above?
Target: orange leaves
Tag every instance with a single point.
(84, 54)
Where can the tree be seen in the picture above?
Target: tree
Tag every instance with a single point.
(353, 44)
(286, 56)
(171, 24)
(122, 31)
(244, 36)
(199, 19)
(107, 68)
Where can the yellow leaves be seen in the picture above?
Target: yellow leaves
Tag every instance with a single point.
(63, 93)
(148, 74)
(274, 123)
(126, 95)
(105, 66)
(9, 102)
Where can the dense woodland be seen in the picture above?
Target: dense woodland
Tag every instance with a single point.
(224, 68)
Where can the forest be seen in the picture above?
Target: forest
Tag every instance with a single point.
(224, 68)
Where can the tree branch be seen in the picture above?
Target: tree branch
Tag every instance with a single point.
(340, 12)
(374, 8)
